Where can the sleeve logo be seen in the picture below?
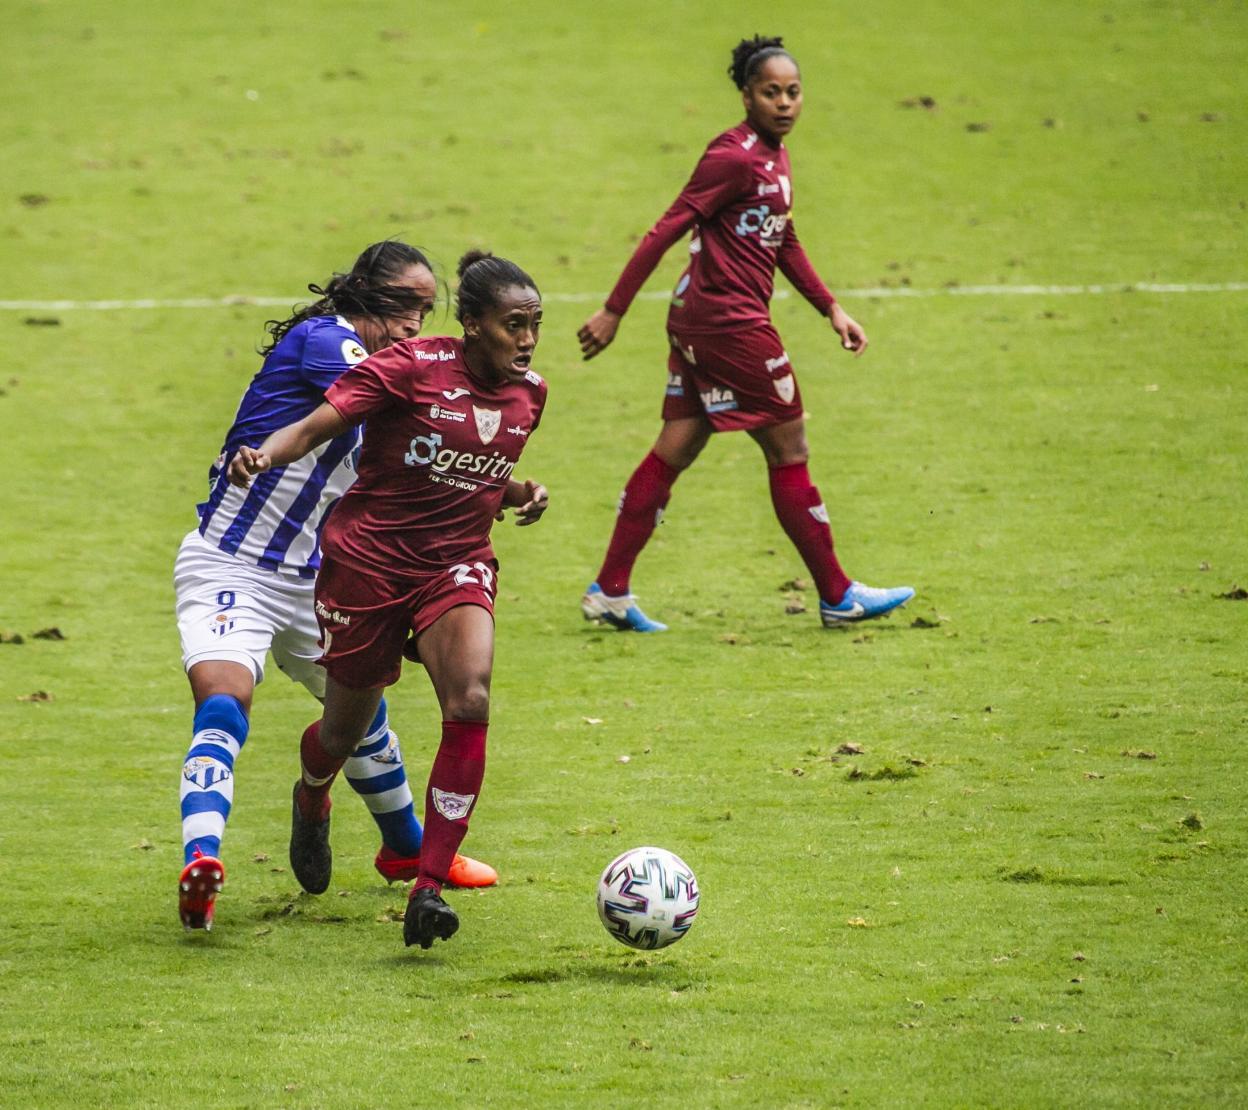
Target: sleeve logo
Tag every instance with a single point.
(352, 352)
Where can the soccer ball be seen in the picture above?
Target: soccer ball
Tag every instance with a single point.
(647, 898)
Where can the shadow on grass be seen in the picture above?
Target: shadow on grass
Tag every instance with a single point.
(1056, 878)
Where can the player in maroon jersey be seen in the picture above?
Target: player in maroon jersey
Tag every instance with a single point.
(727, 369)
(407, 564)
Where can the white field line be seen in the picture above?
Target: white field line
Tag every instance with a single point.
(576, 298)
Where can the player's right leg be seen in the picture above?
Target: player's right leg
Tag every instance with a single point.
(685, 432)
(364, 625)
(226, 618)
(375, 770)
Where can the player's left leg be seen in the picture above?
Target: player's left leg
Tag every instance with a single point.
(799, 508)
(222, 692)
(457, 650)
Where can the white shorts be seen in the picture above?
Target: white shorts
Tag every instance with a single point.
(233, 610)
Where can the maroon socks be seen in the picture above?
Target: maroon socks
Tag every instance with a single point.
(454, 784)
(804, 519)
(319, 769)
(641, 508)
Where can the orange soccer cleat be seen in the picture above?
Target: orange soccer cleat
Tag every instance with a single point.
(198, 886)
(465, 872)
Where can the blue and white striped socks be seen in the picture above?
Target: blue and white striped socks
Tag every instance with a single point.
(208, 774)
(375, 772)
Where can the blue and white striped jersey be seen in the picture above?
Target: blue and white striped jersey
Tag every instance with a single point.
(277, 523)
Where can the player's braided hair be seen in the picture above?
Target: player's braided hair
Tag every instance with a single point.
(368, 290)
(482, 276)
(749, 54)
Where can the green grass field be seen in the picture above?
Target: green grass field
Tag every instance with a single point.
(1028, 889)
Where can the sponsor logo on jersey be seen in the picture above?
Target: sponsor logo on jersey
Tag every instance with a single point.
(675, 385)
(438, 412)
(786, 387)
(454, 807)
(352, 352)
(718, 400)
(766, 188)
(434, 356)
(327, 614)
(820, 513)
(768, 224)
(428, 451)
(455, 394)
(787, 189)
(750, 140)
(205, 772)
(488, 422)
(516, 430)
(781, 360)
(532, 377)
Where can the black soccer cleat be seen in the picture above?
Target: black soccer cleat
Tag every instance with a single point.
(427, 918)
(311, 858)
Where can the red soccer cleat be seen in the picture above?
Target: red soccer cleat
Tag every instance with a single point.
(198, 886)
(465, 872)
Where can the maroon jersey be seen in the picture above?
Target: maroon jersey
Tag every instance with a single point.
(739, 203)
(438, 450)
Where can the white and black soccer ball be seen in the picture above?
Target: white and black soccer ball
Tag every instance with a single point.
(647, 898)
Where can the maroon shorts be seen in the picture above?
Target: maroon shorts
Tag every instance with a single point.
(736, 379)
(366, 620)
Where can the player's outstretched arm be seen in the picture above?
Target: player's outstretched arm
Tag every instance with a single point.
(287, 444)
(598, 331)
(530, 500)
(853, 338)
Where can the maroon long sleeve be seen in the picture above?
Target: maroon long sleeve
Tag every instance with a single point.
(795, 266)
(673, 224)
(738, 203)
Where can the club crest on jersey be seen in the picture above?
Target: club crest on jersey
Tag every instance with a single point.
(488, 423)
(786, 387)
(205, 772)
(454, 807)
(352, 352)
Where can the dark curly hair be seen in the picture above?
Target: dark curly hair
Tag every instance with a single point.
(482, 276)
(749, 54)
(368, 290)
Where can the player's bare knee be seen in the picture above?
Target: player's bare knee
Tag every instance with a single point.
(471, 703)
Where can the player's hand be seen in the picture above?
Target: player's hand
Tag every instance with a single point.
(597, 332)
(537, 501)
(246, 463)
(853, 338)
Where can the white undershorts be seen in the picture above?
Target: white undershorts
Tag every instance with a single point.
(233, 610)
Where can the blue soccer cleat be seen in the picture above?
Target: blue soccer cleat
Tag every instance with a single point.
(861, 603)
(619, 612)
